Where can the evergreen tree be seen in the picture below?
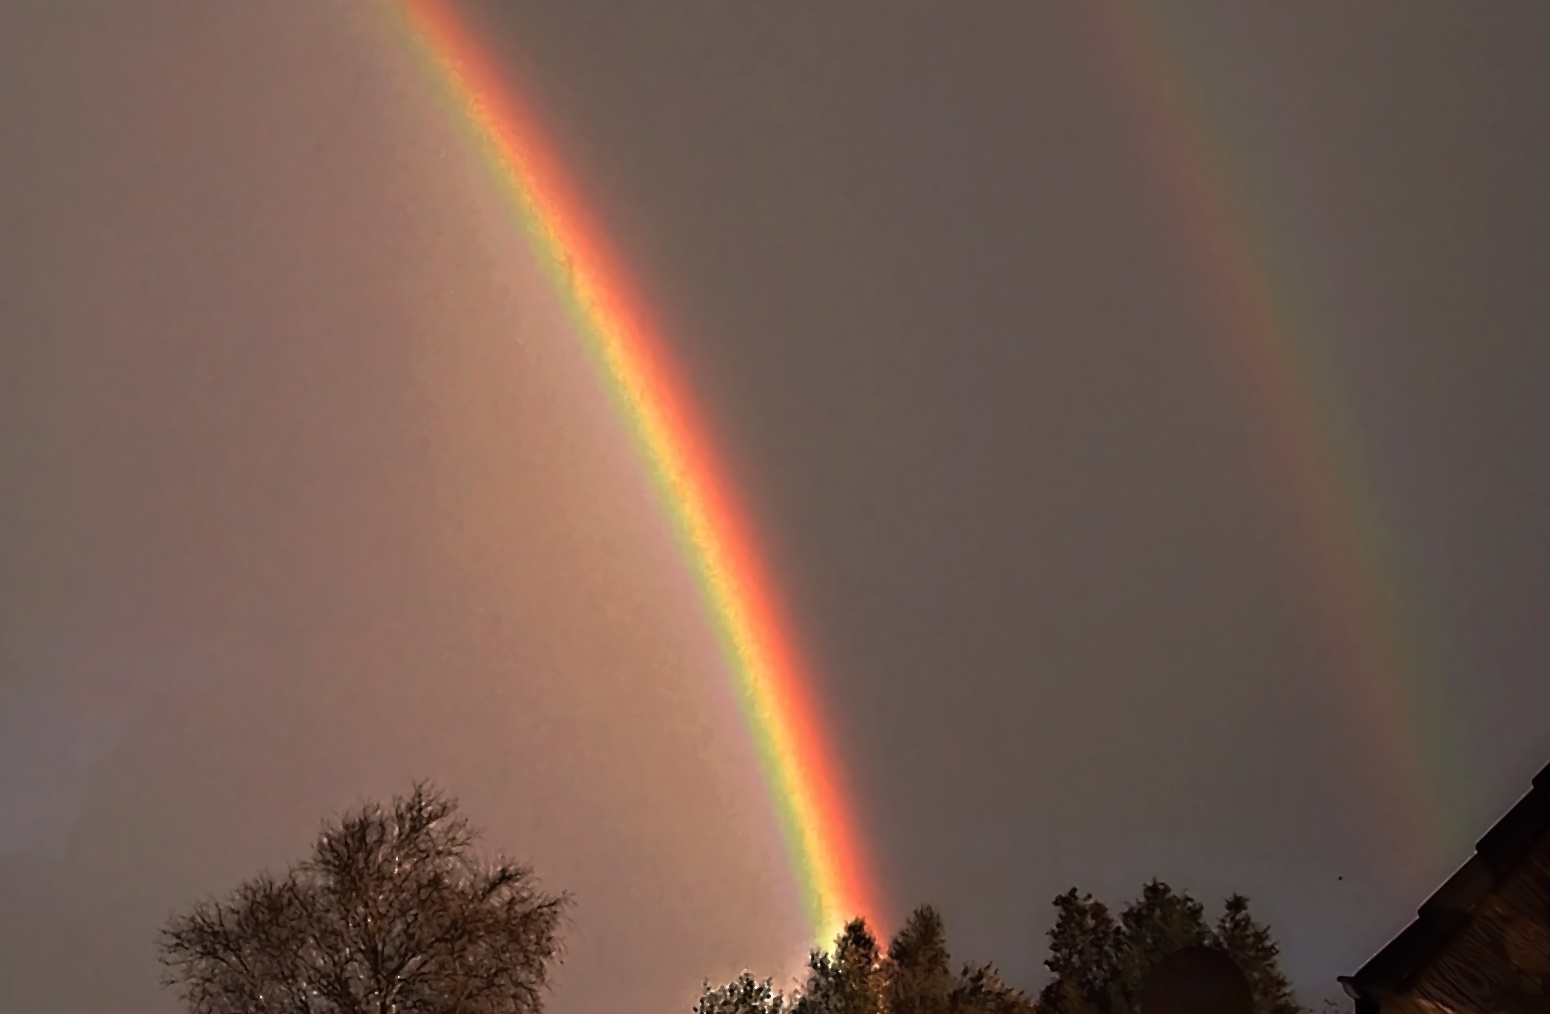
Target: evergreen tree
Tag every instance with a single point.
(851, 980)
(1153, 926)
(980, 990)
(1250, 944)
(743, 995)
(914, 977)
(1084, 955)
(919, 973)
(1100, 966)
(920, 980)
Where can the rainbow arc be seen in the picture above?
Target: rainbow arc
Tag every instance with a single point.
(772, 682)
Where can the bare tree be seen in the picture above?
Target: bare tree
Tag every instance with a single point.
(390, 915)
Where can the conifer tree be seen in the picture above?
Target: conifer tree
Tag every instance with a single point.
(1100, 966)
(1084, 955)
(919, 970)
(1153, 926)
(851, 980)
(914, 977)
(980, 990)
(1250, 944)
(743, 995)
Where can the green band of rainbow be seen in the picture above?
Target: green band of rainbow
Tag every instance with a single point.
(771, 682)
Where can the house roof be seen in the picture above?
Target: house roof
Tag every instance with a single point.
(1441, 915)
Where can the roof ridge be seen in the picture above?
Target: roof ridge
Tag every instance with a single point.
(1449, 906)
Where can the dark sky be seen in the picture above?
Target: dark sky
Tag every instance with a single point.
(308, 489)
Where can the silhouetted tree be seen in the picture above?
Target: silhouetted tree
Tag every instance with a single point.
(743, 995)
(1153, 926)
(1084, 956)
(1099, 966)
(919, 970)
(980, 990)
(1252, 947)
(389, 914)
(848, 980)
(914, 977)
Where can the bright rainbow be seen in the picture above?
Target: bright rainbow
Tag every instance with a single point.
(612, 322)
(1376, 643)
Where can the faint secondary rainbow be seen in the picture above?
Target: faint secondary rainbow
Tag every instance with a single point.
(1351, 562)
(612, 322)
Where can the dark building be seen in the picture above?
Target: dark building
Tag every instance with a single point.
(1481, 943)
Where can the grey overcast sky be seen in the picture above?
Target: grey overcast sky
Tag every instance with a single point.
(307, 489)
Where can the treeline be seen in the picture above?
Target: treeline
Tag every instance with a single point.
(393, 912)
(1098, 964)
